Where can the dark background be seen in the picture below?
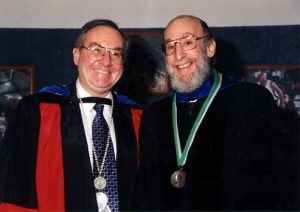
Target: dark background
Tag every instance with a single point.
(50, 52)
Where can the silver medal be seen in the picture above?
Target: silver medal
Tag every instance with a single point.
(178, 178)
(100, 183)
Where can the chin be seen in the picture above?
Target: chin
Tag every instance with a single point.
(189, 83)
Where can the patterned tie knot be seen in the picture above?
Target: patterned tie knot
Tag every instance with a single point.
(98, 108)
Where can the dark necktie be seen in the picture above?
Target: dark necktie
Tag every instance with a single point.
(109, 172)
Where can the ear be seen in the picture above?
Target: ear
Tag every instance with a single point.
(76, 55)
(211, 48)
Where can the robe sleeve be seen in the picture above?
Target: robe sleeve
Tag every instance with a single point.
(18, 152)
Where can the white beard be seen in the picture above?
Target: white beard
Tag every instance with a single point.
(197, 78)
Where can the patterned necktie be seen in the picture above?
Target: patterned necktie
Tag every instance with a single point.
(109, 172)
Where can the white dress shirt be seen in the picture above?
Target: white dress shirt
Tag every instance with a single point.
(88, 114)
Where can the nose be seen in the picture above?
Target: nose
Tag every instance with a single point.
(179, 52)
(106, 59)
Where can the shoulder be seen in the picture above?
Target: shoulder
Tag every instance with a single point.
(61, 90)
(128, 108)
(246, 89)
(127, 102)
(49, 94)
(247, 97)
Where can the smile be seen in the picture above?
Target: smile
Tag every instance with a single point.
(184, 65)
(101, 71)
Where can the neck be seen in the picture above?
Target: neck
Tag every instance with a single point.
(84, 91)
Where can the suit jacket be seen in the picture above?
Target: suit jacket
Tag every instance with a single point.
(236, 161)
(45, 163)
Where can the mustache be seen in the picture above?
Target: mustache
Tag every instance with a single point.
(197, 60)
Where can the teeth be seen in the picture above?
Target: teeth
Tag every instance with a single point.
(101, 71)
(184, 66)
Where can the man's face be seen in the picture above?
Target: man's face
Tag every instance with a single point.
(98, 76)
(188, 69)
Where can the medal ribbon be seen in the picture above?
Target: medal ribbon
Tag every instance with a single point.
(182, 156)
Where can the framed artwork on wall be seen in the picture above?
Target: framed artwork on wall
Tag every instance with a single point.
(283, 81)
(15, 83)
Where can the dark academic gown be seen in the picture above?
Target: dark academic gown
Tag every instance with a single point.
(234, 163)
(44, 159)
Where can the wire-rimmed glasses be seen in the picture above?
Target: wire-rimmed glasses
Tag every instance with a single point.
(97, 52)
(186, 43)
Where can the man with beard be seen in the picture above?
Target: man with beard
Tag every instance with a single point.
(208, 145)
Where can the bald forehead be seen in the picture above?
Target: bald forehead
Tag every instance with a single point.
(182, 25)
(182, 17)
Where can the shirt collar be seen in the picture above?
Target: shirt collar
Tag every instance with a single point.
(81, 93)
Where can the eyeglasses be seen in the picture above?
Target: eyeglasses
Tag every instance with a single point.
(97, 52)
(186, 43)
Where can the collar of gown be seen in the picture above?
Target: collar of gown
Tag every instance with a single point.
(204, 89)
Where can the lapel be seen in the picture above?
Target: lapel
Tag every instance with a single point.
(126, 152)
(79, 190)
